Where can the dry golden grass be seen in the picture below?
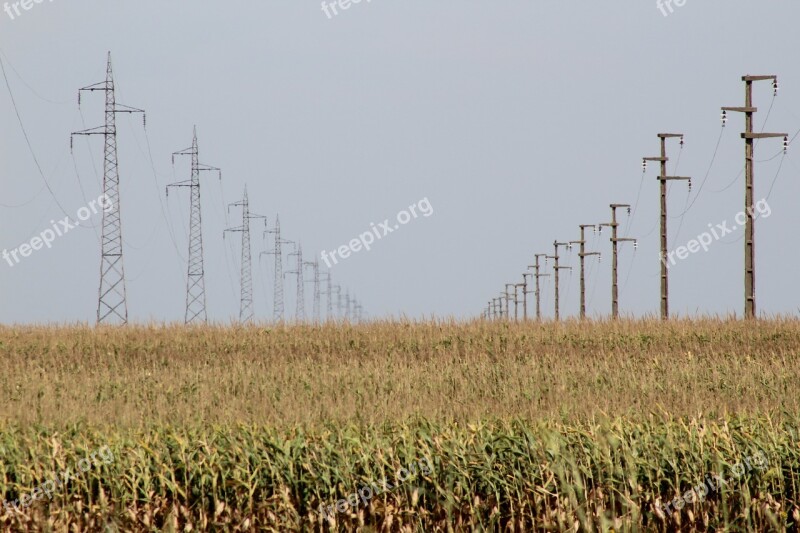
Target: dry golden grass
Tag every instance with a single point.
(284, 376)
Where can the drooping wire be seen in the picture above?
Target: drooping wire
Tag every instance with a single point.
(777, 174)
(160, 200)
(591, 272)
(80, 186)
(264, 277)
(636, 203)
(780, 166)
(88, 147)
(708, 172)
(763, 127)
(630, 267)
(26, 84)
(30, 146)
(25, 203)
(228, 257)
(689, 204)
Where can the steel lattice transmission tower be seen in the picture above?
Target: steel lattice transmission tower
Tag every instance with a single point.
(246, 298)
(277, 291)
(300, 307)
(195, 283)
(328, 292)
(338, 289)
(314, 265)
(112, 303)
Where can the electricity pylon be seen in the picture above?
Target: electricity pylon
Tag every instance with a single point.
(615, 240)
(583, 254)
(195, 282)
(328, 292)
(277, 288)
(338, 289)
(347, 305)
(314, 265)
(556, 269)
(663, 178)
(537, 275)
(246, 295)
(300, 306)
(749, 166)
(112, 305)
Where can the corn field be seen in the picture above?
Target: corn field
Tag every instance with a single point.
(535, 427)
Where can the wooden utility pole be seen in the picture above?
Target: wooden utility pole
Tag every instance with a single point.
(557, 268)
(517, 286)
(615, 240)
(583, 254)
(749, 137)
(508, 301)
(525, 293)
(537, 275)
(663, 178)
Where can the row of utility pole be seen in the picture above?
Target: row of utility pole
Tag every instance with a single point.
(494, 309)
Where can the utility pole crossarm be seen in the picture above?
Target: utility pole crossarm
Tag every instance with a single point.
(763, 135)
(741, 109)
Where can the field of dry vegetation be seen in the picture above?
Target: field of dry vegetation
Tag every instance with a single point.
(588, 426)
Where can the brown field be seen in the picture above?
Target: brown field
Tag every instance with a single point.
(284, 376)
(527, 426)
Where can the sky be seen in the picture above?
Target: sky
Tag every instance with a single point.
(515, 121)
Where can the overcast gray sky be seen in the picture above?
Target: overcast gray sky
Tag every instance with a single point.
(518, 120)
